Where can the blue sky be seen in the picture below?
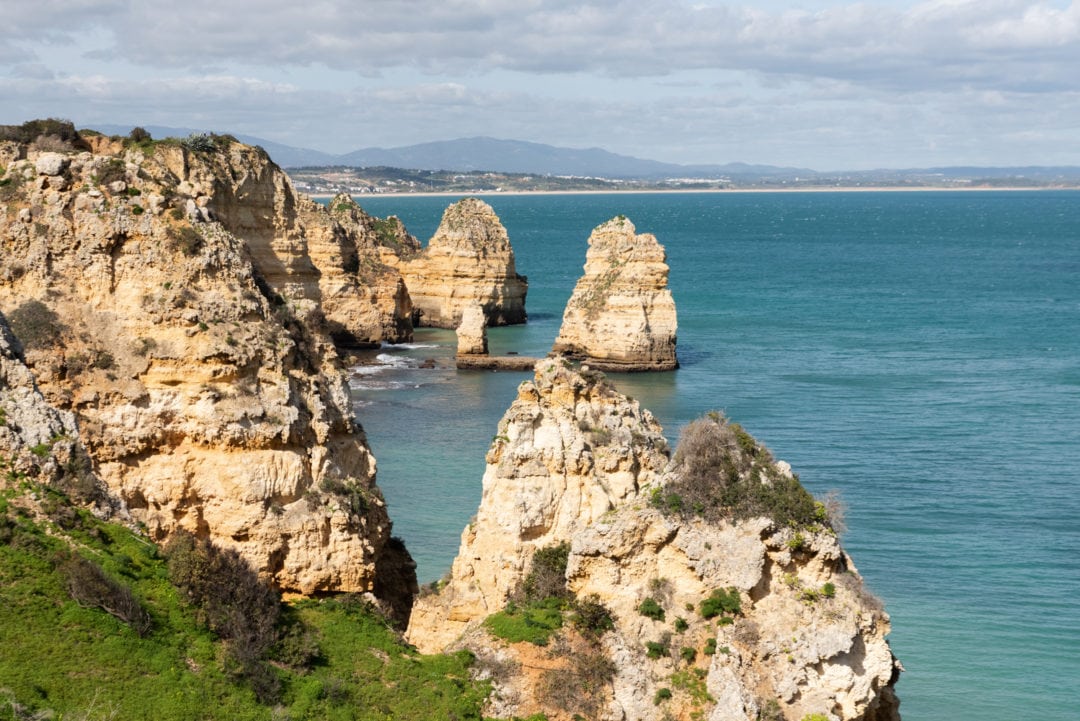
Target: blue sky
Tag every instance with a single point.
(826, 85)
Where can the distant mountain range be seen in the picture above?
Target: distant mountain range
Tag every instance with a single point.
(516, 156)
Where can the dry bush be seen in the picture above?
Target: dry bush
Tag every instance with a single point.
(547, 575)
(723, 472)
(233, 602)
(90, 587)
(36, 325)
(581, 688)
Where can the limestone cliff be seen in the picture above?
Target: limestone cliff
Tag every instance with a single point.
(363, 297)
(37, 440)
(706, 617)
(621, 316)
(165, 295)
(469, 259)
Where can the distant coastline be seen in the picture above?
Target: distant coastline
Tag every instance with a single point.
(720, 191)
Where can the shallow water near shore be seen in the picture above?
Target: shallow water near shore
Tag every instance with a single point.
(919, 352)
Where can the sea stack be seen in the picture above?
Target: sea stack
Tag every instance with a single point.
(166, 298)
(469, 259)
(587, 586)
(621, 316)
(472, 332)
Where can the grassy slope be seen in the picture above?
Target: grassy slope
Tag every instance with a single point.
(85, 664)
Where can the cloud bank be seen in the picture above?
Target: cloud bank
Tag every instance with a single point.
(926, 75)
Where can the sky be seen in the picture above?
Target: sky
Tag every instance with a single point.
(828, 85)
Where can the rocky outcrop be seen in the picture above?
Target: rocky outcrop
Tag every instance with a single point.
(38, 441)
(790, 632)
(469, 259)
(472, 331)
(363, 297)
(621, 316)
(165, 296)
(562, 457)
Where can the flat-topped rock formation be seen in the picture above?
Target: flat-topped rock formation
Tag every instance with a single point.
(166, 297)
(675, 603)
(621, 316)
(469, 259)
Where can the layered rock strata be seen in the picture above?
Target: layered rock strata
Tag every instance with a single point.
(621, 316)
(469, 259)
(576, 462)
(166, 296)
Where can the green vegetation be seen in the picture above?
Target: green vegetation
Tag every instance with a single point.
(692, 682)
(651, 609)
(537, 613)
(656, 649)
(207, 142)
(721, 601)
(92, 626)
(710, 647)
(591, 617)
(662, 694)
(723, 473)
(688, 654)
(681, 624)
(534, 623)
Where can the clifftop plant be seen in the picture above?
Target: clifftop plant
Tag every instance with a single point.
(722, 472)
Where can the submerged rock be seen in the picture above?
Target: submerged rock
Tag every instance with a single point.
(621, 316)
(469, 259)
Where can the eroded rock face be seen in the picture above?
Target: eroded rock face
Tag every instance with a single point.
(469, 259)
(621, 316)
(364, 297)
(561, 459)
(37, 440)
(168, 300)
(576, 462)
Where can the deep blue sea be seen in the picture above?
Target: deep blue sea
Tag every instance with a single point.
(917, 351)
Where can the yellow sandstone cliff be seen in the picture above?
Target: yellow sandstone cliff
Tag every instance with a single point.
(621, 316)
(166, 296)
(574, 462)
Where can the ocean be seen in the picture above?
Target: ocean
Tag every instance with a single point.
(919, 352)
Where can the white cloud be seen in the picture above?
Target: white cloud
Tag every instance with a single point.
(881, 44)
(847, 83)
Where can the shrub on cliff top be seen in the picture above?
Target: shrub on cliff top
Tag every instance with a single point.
(50, 133)
(723, 472)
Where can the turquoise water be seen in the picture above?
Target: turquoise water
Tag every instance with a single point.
(919, 352)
